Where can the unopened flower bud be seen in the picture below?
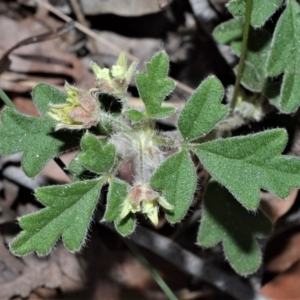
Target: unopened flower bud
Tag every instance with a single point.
(143, 198)
(116, 80)
(81, 110)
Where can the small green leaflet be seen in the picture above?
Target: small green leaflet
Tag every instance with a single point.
(76, 168)
(34, 137)
(43, 94)
(244, 165)
(97, 156)
(229, 31)
(261, 10)
(67, 214)
(225, 220)
(134, 115)
(203, 110)
(153, 88)
(117, 193)
(116, 196)
(176, 178)
(285, 56)
(127, 225)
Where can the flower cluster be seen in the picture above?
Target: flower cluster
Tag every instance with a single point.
(115, 81)
(143, 198)
(81, 110)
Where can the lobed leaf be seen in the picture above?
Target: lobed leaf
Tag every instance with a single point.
(97, 156)
(244, 165)
(154, 86)
(285, 56)
(225, 220)
(261, 10)
(176, 178)
(34, 137)
(68, 212)
(203, 110)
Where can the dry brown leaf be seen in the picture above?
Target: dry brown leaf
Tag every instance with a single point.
(42, 62)
(11, 191)
(289, 253)
(21, 277)
(285, 285)
(274, 207)
(123, 8)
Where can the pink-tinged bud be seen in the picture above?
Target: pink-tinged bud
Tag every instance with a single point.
(81, 110)
(143, 198)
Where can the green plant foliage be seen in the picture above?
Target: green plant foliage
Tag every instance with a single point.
(176, 178)
(261, 10)
(115, 133)
(285, 56)
(76, 167)
(225, 220)
(203, 110)
(256, 158)
(117, 193)
(97, 156)
(34, 137)
(134, 115)
(154, 86)
(43, 94)
(126, 226)
(255, 77)
(229, 31)
(68, 212)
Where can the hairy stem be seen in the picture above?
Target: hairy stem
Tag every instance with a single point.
(122, 126)
(243, 55)
(141, 163)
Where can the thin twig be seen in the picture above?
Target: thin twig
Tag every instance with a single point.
(100, 39)
(81, 19)
(165, 288)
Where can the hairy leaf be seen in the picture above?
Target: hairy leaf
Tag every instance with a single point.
(229, 31)
(285, 56)
(134, 115)
(127, 225)
(203, 110)
(76, 167)
(244, 165)
(261, 10)
(44, 94)
(34, 137)
(97, 156)
(225, 220)
(154, 86)
(117, 193)
(68, 212)
(176, 178)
